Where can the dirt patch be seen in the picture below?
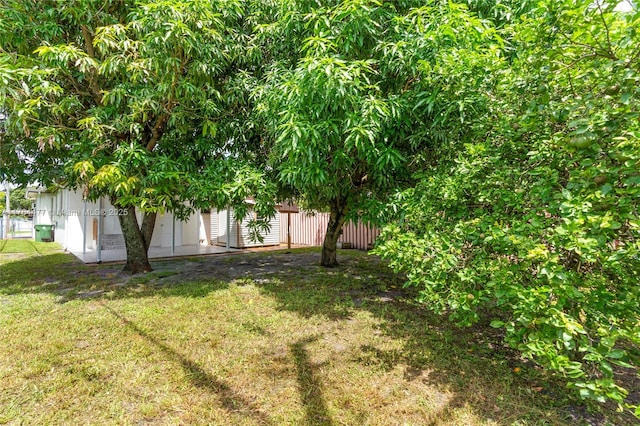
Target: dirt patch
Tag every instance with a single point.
(227, 268)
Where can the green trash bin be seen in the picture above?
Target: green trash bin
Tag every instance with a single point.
(44, 233)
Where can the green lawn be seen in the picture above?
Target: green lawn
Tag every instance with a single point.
(264, 338)
(25, 247)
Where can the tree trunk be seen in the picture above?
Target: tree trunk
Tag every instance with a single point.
(334, 230)
(135, 240)
(148, 224)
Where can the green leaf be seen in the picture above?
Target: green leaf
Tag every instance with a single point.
(605, 189)
(497, 324)
(617, 354)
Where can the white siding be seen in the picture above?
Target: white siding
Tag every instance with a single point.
(242, 237)
(239, 232)
(215, 231)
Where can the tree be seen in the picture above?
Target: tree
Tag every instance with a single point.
(362, 101)
(333, 114)
(17, 200)
(531, 215)
(121, 99)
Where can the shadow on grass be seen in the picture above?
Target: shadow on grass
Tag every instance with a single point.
(41, 274)
(231, 401)
(63, 275)
(316, 412)
(472, 362)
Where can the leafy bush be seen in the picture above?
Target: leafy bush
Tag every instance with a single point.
(533, 216)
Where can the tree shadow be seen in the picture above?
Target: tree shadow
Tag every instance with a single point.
(40, 274)
(433, 349)
(64, 276)
(316, 412)
(230, 400)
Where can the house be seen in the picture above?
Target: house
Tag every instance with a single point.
(91, 229)
(82, 226)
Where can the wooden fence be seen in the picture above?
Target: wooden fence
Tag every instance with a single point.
(309, 229)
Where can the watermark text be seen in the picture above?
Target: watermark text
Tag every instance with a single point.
(82, 212)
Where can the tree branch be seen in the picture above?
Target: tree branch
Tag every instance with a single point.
(88, 41)
(93, 84)
(79, 90)
(157, 131)
(597, 51)
(606, 30)
(409, 83)
(55, 126)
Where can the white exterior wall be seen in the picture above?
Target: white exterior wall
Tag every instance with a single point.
(78, 223)
(222, 227)
(215, 231)
(191, 230)
(239, 231)
(205, 229)
(44, 207)
(163, 233)
(71, 232)
(70, 215)
(59, 217)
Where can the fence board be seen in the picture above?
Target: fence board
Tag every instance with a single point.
(309, 229)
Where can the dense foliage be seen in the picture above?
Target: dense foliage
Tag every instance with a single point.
(503, 138)
(328, 112)
(17, 200)
(348, 116)
(531, 215)
(128, 100)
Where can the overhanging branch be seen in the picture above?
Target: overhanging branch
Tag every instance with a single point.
(93, 84)
(157, 131)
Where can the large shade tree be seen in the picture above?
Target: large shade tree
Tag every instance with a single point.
(124, 99)
(334, 114)
(363, 100)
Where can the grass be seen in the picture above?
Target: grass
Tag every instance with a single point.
(254, 339)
